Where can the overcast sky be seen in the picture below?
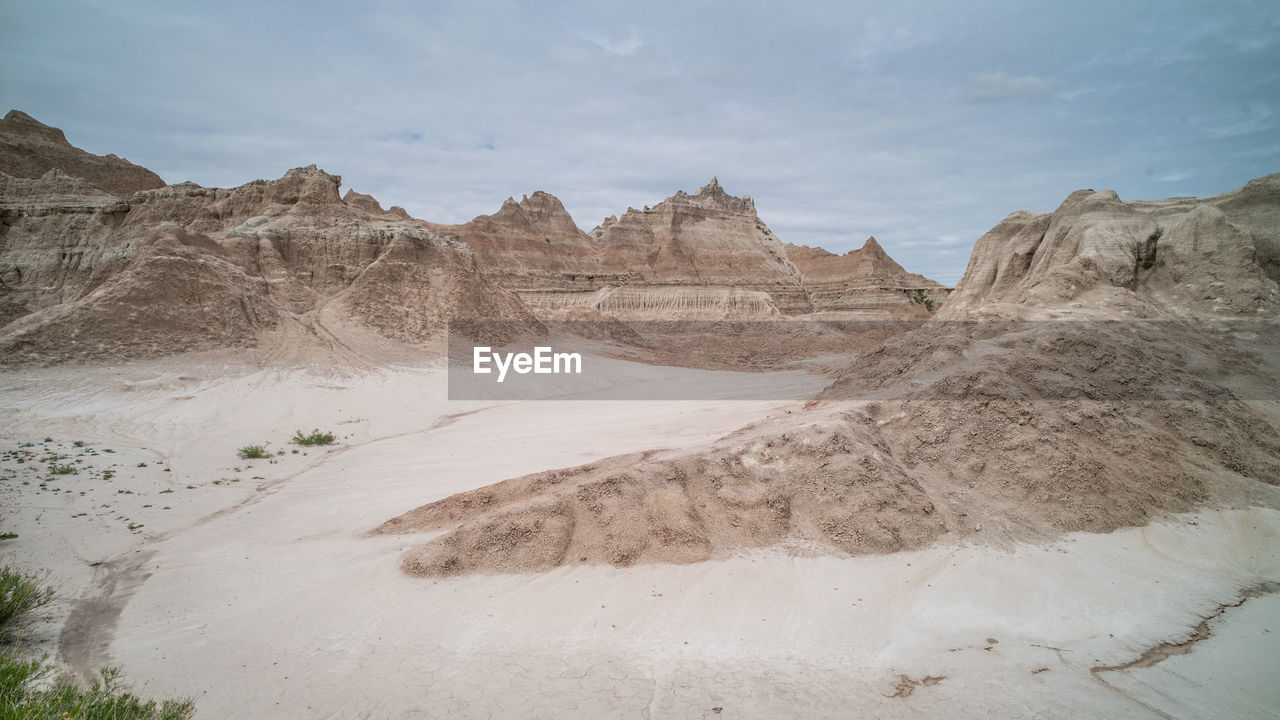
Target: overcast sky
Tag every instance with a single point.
(923, 124)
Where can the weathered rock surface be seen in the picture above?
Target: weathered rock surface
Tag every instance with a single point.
(85, 275)
(533, 246)
(691, 256)
(29, 149)
(1192, 256)
(815, 484)
(707, 238)
(1099, 366)
(862, 281)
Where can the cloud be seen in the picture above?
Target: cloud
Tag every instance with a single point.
(626, 46)
(1002, 86)
(841, 120)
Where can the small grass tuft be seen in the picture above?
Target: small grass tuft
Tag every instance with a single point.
(62, 469)
(314, 438)
(253, 452)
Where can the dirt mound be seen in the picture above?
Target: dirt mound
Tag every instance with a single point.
(811, 486)
(1082, 384)
(1017, 432)
(29, 149)
(1083, 426)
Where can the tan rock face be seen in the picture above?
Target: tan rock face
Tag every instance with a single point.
(1127, 405)
(1218, 255)
(862, 281)
(29, 149)
(86, 275)
(708, 238)
(702, 255)
(534, 245)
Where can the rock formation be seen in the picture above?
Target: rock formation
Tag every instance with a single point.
(1213, 256)
(29, 149)
(707, 239)
(87, 275)
(533, 247)
(861, 281)
(705, 255)
(1096, 367)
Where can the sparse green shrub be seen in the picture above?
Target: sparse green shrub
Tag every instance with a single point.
(921, 299)
(253, 452)
(28, 691)
(62, 469)
(21, 593)
(314, 438)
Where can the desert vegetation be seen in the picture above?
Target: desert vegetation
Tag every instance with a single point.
(315, 437)
(32, 689)
(22, 593)
(253, 452)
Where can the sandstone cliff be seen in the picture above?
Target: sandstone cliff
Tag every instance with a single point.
(29, 149)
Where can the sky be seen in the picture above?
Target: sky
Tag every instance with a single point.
(921, 123)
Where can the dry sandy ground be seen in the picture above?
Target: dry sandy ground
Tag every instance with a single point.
(256, 592)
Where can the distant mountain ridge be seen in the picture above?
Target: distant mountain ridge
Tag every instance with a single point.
(29, 149)
(702, 250)
(99, 258)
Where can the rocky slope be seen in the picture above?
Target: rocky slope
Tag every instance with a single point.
(534, 246)
(707, 239)
(706, 255)
(29, 149)
(1102, 365)
(1205, 257)
(86, 275)
(861, 280)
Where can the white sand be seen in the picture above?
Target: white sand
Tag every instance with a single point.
(261, 598)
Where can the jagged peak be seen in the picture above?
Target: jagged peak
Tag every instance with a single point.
(711, 196)
(362, 201)
(541, 210)
(312, 171)
(16, 121)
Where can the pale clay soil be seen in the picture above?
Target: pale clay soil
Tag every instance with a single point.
(254, 586)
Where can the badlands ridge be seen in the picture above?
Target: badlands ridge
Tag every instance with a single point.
(1096, 365)
(1032, 494)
